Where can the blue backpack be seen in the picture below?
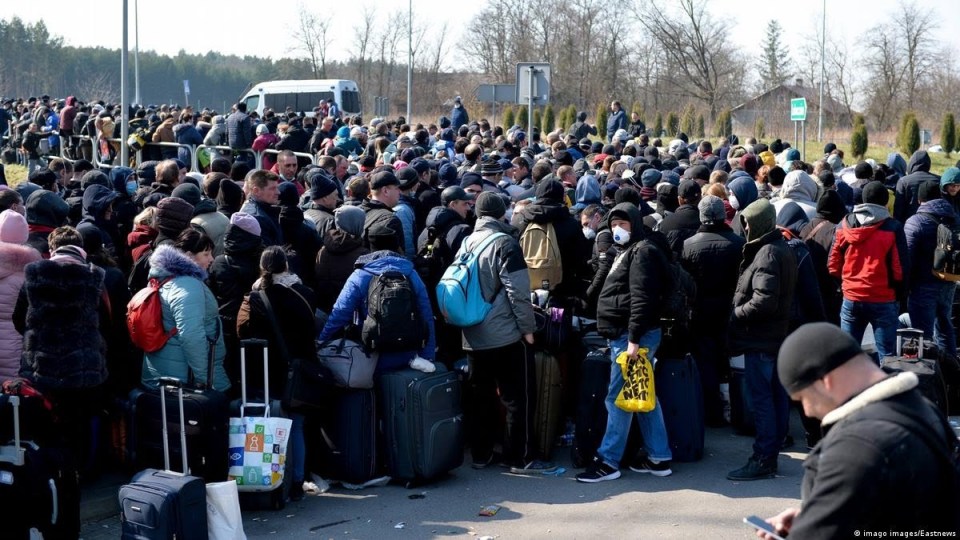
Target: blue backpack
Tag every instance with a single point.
(458, 294)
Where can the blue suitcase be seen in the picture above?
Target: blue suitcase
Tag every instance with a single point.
(165, 504)
(677, 384)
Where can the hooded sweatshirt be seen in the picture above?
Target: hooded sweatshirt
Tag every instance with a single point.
(906, 199)
(870, 255)
(743, 191)
(921, 234)
(801, 189)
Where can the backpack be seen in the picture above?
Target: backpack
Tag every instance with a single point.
(946, 254)
(137, 140)
(430, 260)
(393, 322)
(145, 318)
(458, 293)
(541, 251)
(678, 299)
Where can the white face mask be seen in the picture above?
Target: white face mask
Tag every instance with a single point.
(732, 199)
(621, 236)
(589, 233)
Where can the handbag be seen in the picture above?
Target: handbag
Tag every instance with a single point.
(307, 380)
(637, 394)
(349, 363)
(224, 521)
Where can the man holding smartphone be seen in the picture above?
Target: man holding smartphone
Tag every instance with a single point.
(888, 458)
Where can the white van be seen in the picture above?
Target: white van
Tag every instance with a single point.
(303, 95)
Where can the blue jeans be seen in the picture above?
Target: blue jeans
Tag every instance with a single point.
(854, 317)
(296, 450)
(618, 421)
(931, 310)
(771, 404)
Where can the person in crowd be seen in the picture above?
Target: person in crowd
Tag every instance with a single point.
(458, 115)
(616, 121)
(406, 209)
(15, 255)
(191, 308)
(302, 242)
(905, 202)
(685, 221)
(384, 196)
(342, 246)
(761, 318)
(323, 201)
(239, 128)
(46, 211)
(883, 464)
(819, 235)
(206, 218)
(293, 306)
(229, 197)
(262, 190)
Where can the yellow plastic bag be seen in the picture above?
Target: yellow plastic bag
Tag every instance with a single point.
(637, 394)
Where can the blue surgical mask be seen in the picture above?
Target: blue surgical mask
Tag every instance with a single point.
(131, 187)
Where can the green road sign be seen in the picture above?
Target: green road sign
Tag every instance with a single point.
(798, 109)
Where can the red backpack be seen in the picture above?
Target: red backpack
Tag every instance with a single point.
(145, 318)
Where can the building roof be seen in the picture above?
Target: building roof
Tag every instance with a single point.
(812, 95)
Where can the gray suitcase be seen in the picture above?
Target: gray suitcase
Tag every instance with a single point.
(421, 423)
(547, 417)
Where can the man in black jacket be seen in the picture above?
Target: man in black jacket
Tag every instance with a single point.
(885, 463)
(906, 202)
(628, 314)
(760, 322)
(239, 128)
(384, 195)
(263, 193)
(685, 221)
(712, 256)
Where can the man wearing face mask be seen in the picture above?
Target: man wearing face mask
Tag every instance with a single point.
(628, 315)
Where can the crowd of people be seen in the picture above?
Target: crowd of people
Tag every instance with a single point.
(772, 242)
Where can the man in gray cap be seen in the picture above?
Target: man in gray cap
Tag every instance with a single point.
(501, 346)
(888, 459)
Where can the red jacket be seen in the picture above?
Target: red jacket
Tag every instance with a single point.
(869, 259)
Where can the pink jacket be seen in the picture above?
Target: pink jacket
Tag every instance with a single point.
(13, 259)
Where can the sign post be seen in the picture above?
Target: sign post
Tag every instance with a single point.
(798, 114)
(533, 85)
(186, 91)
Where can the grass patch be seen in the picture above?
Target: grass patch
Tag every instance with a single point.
(939, 161)
(16, 174)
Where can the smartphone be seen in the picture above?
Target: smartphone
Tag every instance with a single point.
(762, 525)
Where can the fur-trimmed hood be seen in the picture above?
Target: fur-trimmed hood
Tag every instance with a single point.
(168, 261)
(885, 389)
(14, 257)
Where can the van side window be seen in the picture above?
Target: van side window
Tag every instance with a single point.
(253, 102)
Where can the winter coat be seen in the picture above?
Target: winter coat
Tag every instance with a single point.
(349, 145)
(713, 256)
(505, 282)
(189, 306)
(303, 244)
(616, 120)
(233, 273)
(377, 212)
(764, 293)
(879, 467)
(907, 200)
(428, 199)
(295, 140)
(293, 308)
(580, 130)
(13, 261)
(217, 136)
(574, 248)
(264, 142)
(679, 226)
(404, 210)
(353, 300)
(808, 304)
(870, 255)
(96, 199)
(269, 219)
(798, 187)
(186, 134)
(458, 117)
(632, 296)
(921, 234)
(140, 240)
(212, 223)
(321, 218)
(335, 264)
(239, 131)
(448, 225)
(60, 314)
(819, 240)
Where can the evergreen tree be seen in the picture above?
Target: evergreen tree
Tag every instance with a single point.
(548, 119)
(701, 132)
(658, 126)
(910, 142)
(724, 124)
(602, 112)
(673, 124)
(759, 128)
(776, 68)
(562, 120)
(688, 122)
(521, 120)
(538, 121)
(508, 117)
(858, 138)
(637, 108)
(948, 134)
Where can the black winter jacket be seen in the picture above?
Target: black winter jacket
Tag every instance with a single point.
(907, 199)
(713, 256)
(574, 248)
(377, 212)
(233, 273)
(335, 263)
(680, 225)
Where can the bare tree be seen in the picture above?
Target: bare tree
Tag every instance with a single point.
(916, 27)
(96, 86)
(363, 31)
(695, 43)
(887, 68)
(311, 38)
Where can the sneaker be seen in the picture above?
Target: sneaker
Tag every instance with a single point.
(598, 471)
(483, 464)
(756, 469)
(646, 465)
(296, 491)
(534, 467)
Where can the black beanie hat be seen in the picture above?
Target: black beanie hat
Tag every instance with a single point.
(491, 204)
(550, 190)
(929, 191)
(875, 193)
(812, 351)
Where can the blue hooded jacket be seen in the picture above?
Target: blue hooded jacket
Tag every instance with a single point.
(353, 302)
(588, 191)
(921, 232)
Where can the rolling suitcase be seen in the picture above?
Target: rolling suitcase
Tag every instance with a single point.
(163, 504)
(741, 407)
(421, 421)
(343, 439)
(911, 352)
(591, 420)
(547, 416)
(681, 400)
(256, 496)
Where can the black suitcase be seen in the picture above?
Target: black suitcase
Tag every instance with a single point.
(342, 441)
(421, 421)
(275, 499)
(591, 409)
(677, 383)
(911, 351)
(547, 417)
(741, 406)
(163, 504)
(38, 487)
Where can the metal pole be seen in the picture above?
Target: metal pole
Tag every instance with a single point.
(530, 107)
(803, 138)
(136, 52)
(823, 48)
(410, 63)
(796, 132)
(124, 102)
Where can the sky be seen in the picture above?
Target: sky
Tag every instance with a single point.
(82, 25)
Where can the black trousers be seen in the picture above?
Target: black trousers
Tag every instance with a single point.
(510, 370)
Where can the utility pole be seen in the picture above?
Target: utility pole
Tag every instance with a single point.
(124, 101)
(410, 62)
(136, 52)
(823, 48)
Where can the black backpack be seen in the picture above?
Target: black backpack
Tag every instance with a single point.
(946, 255)
(432, 260)
(393, 322)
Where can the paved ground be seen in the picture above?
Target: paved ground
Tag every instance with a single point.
(696, 501)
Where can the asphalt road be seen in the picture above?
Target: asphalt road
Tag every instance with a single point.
(695, 502)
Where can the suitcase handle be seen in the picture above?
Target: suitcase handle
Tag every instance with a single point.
(243, 376)
(167, 382)
(56, 506)
(19, 454)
